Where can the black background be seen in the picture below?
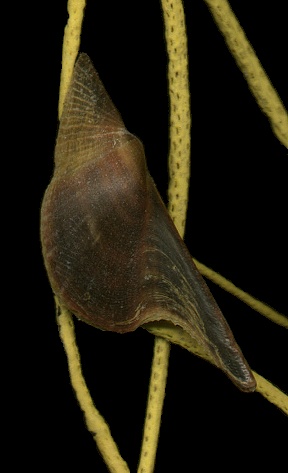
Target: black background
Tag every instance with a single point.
(236, 225)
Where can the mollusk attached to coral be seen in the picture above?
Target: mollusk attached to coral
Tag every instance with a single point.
(113, 255)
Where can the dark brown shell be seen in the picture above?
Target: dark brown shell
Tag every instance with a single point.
(112, 253)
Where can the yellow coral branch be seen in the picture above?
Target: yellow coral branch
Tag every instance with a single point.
(96, 424)
(179, 169)
(71, 43)
(156, 396)
(271, 393)
(249, 64)
(251, 301)
(180, 114)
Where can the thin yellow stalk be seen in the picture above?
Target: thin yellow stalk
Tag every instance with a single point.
(249, 64)
(180, 113)
(251, 301)
(159, 371)
(96, 424)
(179, 168)
(70, 48)
(271, 393)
